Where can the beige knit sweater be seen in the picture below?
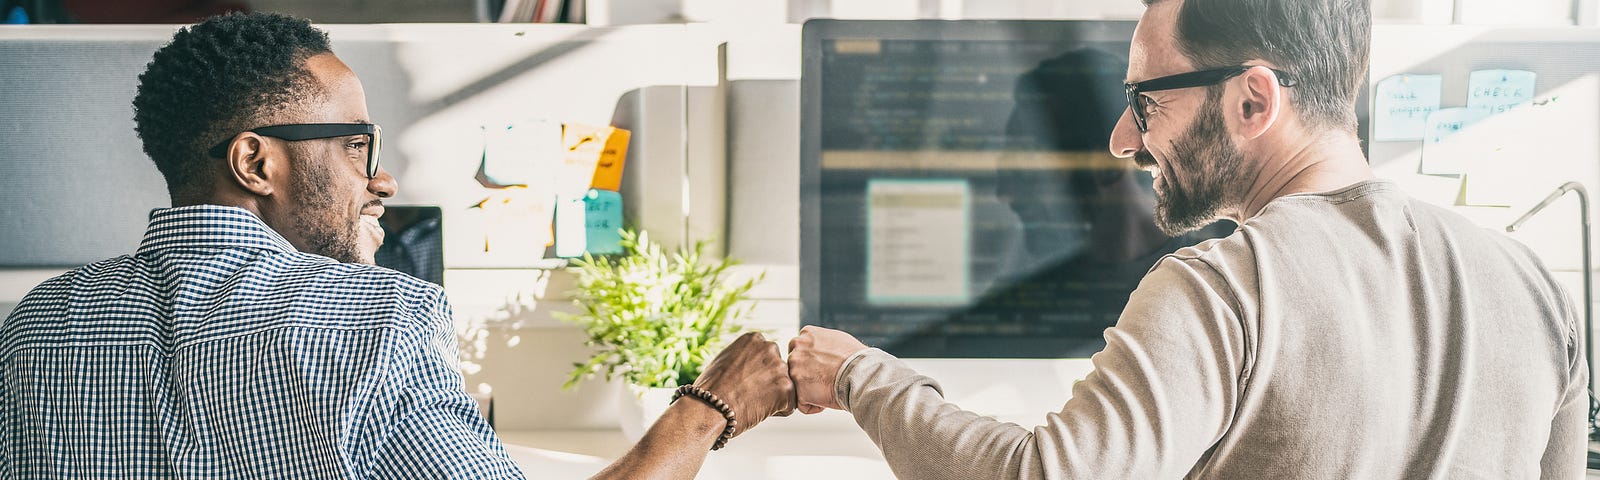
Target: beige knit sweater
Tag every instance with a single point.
(1351, 334)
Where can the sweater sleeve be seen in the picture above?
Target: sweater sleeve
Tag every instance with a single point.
(1566, 453)
(1161, 394)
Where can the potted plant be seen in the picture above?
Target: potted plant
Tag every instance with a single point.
(653, 319)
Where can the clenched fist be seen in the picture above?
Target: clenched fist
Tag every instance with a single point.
(751, 378)
(815, 357)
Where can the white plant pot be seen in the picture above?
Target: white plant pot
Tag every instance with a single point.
(639, 407)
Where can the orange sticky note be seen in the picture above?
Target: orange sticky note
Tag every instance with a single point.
(608, 171)
(594, 157)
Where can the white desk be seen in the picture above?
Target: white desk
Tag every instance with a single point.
(767, 453)
(778, 453)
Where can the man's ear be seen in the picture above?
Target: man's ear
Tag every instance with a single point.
(1259, 103)
(250, 164)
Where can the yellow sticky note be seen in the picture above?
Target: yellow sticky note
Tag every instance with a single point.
(517, 224)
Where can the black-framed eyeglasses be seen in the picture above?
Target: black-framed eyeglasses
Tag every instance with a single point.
(312, 131)
(1201, 78)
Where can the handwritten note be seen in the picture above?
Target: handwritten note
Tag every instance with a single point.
(602, 220)
(515, 154)
(581, 147)
(1495, 91)
(589, 223)
(614, 153)
(1444, 152)
(515, 222)
(1402, 104)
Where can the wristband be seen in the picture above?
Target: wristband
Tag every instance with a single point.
(717, 403)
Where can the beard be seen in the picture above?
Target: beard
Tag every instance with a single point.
(321, 222)
(1211, 161)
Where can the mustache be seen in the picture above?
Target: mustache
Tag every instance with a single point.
(374, 203)
(1144, 159)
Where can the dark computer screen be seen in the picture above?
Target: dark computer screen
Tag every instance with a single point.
(958, 195)
(413, 242)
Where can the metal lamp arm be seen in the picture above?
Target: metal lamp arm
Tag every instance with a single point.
(1588, 290)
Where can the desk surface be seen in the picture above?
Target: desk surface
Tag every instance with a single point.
(777, 453)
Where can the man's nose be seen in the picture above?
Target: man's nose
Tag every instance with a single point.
(1125, 137)
(383, 185)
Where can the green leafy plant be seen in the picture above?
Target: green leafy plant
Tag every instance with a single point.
(654, 319)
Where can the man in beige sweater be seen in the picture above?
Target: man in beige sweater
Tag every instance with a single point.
(1344, 331)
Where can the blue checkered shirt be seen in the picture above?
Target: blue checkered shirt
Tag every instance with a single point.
(217, 350)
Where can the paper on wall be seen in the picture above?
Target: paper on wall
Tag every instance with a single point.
(1495, 91)
(1444, 150)
(1401, 104)
(520, 153)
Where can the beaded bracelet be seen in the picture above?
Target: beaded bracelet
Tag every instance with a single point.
(717, 403)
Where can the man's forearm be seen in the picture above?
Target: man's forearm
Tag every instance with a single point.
(749, 382)
(674, 447)
(923, 436)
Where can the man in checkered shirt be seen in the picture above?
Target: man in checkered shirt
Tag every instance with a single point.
(249, 335)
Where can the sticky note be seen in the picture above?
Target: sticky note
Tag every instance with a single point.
(614, 153)
(1401, 106)
(1444, 152)
(1497, 180)
(603, 221)
(1495, 91)
(580, 149)
(515, 154)
(589, 223)
(516, 223)
(1480, 190)
(571, 234)
(1442, 124)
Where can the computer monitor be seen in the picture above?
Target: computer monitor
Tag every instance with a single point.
(413, 242)
(958, 196)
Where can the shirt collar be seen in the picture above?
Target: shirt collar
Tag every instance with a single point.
(209, 226)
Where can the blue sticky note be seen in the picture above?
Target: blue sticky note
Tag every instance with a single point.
(589, 223)
(1439, 157)
(603, 220)
(1402, 104)
(1495, 91)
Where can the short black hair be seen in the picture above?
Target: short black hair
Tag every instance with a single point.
(1323, 44)
(217, 78)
